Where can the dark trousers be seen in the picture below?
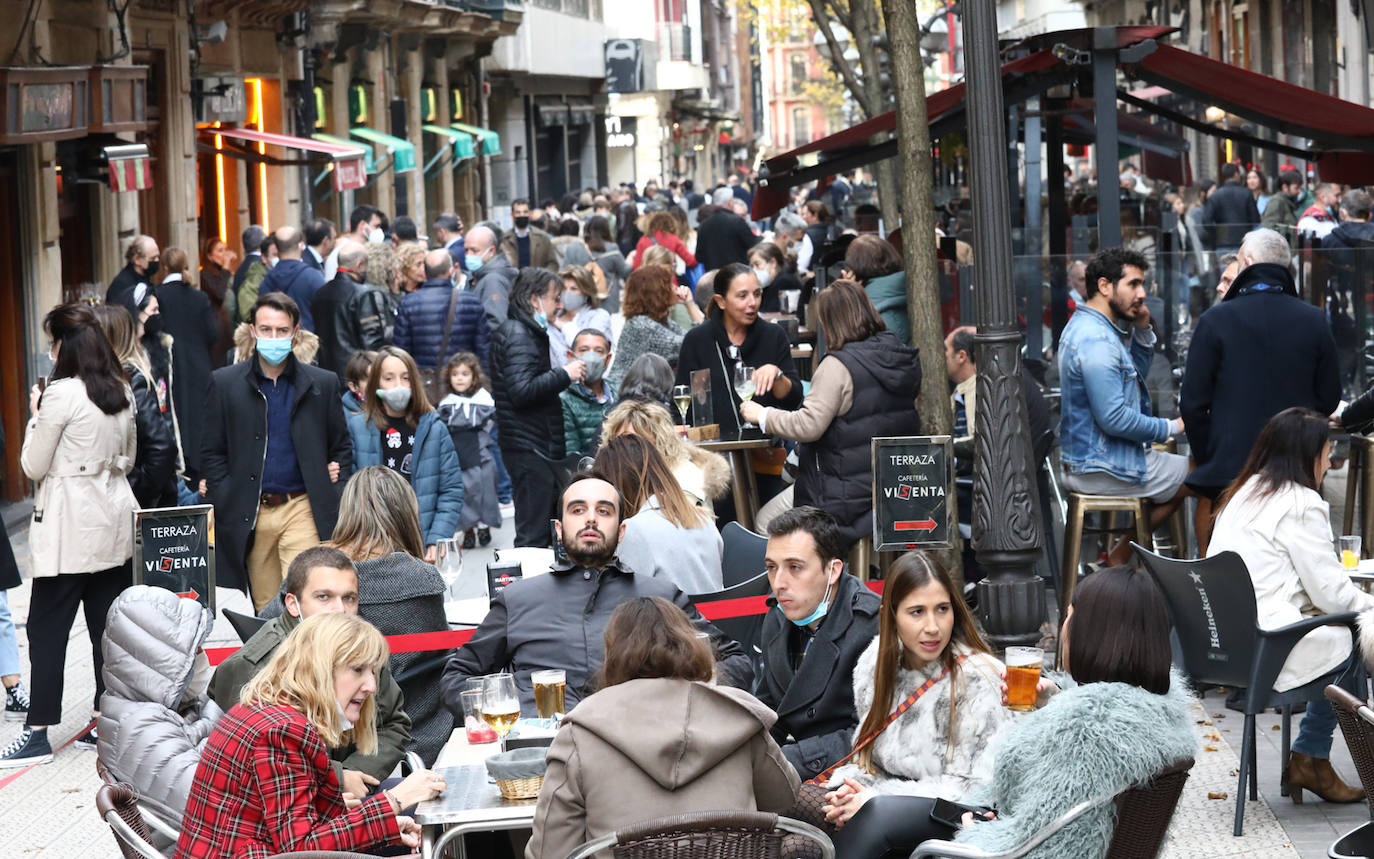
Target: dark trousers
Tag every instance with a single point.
(889, 826)
(52, 608)
(537, 485)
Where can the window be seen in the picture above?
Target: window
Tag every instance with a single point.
(800, 73)
(801, 126)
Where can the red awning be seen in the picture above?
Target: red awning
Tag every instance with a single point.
(350, 170)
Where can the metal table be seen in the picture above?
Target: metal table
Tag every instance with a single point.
(742, 483)
(470, 803)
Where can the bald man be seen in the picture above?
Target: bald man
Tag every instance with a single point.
(292, 276)
(140, 264)
(490, 273)
(423, 317)
(350, 312)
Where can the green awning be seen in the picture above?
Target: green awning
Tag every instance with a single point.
(491, 141)
(401, 151)
(340, 141)
(462, 141)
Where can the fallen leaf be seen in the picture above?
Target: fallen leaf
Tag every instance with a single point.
(1209, 748)
(1214, 736)
(1214, 795)
(72, 790)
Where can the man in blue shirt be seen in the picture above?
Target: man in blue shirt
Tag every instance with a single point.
(1105, 425)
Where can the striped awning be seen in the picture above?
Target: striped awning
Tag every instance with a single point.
(346, 158)
(130, 167)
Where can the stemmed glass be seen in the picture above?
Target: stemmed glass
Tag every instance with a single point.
(682, 398)
(500, 705)
(744, 387)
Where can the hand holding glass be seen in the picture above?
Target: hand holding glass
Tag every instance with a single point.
(744, 386)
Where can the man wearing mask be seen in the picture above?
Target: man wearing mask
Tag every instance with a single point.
(586, 403)
(349, 312)
(276, 453)
(558, 620)
(140, 265)
(527, 245)
(490, 273)
(820, 620)
(439, 320)
(364, 225)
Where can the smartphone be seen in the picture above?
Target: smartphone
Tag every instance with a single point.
(951, 814)
(560, 553)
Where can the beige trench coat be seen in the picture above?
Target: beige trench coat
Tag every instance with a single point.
(80, 458)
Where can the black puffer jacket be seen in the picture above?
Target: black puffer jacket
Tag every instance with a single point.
(526, 387)
(153, 478)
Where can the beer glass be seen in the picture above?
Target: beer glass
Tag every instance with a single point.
(1350, 552)
(1023, 674)
(500, 705)
(550, 693)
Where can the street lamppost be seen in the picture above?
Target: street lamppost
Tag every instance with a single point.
(1006, 525)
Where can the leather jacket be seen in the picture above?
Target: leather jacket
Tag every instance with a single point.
(153, 478)
(349, 317)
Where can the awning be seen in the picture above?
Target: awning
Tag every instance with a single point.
(490, 140)
(130, 168)
(402, 152)
(369, 159)
(346, 158)
(462, 141)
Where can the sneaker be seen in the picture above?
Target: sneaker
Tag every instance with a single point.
(469, 539)
(27, 749)
(87, 740)
(484, 536)
(16, 702)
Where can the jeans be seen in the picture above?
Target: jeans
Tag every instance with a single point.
(186, 496)
(9, 641)
(1315, 730)
(505, 489)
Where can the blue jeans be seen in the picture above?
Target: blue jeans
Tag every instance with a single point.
(505, 490)
(1316, 729)
(186, 496)
(9, 642)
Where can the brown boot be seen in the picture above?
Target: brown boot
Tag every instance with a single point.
(1317, 775)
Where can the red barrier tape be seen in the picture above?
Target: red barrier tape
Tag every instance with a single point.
(451, 639)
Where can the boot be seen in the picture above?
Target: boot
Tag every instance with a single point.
(1317, 775)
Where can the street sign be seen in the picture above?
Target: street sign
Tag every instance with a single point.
(913, 492)
(174, 548)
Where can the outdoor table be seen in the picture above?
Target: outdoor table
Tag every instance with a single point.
(743, 486)
(471, 803)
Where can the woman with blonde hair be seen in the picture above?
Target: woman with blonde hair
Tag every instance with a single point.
(700, 473)
(264, 784)
(409, 268)
(399, 428)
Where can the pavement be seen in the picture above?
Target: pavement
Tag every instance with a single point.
(49, 810)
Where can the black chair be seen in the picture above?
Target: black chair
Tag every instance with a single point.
(244, 624)
(742, 558)
(746, 629)
(1212, 609)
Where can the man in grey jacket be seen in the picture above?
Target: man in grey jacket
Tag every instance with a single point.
(556, 621)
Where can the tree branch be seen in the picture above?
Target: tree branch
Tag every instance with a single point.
(837, 61)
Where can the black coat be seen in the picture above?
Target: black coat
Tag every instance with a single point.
(349, 317)
(235, 444)
(123, 282)
(707, 347)
(724, 238)
(153, 478)
(1229, 213)
(526, 386)
(189, 318)
(815, 704)
(1253, 355)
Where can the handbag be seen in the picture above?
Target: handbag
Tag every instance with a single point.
(433, 378)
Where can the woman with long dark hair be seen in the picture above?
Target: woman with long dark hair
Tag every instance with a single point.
(79, 448)
(939, 745)
(1274, 517)
(606, 253)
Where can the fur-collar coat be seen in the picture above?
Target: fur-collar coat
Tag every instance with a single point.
(303, 346)
(916, 755)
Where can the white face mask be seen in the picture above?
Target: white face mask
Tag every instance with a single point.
(375, 236)
(765, 277)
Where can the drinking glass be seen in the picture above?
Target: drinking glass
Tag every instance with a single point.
(550, 693)
(1350, 552)
(478, 731)
(744, 386)
(1023, 674)
(682, 398)
(500, 705)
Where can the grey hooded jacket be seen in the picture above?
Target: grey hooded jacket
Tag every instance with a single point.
(149, 734)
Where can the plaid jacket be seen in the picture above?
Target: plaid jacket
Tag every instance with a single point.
(264, 786)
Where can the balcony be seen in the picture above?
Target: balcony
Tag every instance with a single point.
(588, 9)
(675, 43)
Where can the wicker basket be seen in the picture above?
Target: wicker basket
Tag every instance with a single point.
(520, 788)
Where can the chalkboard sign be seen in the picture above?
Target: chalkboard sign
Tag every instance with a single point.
(913, 493)
(174, 548)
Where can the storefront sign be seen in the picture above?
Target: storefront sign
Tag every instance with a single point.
(625, 65)
(620, 132)
(174, 548)
(913, 492)
(350, 174)
(46, 107)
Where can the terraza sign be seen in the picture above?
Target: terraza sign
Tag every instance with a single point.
(913, 492)
(174, 548)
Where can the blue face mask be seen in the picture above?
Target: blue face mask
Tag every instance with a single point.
(541, 320)
(822, 608)
(274, 349)
(472, 262)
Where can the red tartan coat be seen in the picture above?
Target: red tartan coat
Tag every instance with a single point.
(264, 786)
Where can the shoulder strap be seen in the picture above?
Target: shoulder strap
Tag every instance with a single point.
(448, 329)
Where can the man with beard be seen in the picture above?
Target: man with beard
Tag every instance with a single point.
(556, 621)
(1105, 425)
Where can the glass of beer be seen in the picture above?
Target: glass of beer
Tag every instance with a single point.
(500, 705)
(550, 693)
(1350, 552)
(1023, 673)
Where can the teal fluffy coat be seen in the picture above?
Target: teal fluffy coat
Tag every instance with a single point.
(1088, 742)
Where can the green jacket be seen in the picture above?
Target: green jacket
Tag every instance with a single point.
(582, 417)
(888, 294)
(1280, 214)
(248, 290)
(393, 725)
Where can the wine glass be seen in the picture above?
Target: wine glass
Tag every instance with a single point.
(682, 398)
(500, 705)
(744, 387)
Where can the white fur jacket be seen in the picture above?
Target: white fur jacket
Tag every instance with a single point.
(916, 755)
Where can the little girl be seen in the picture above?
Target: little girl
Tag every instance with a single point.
(469, 411)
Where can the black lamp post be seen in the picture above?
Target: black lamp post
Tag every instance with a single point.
(1006, 523)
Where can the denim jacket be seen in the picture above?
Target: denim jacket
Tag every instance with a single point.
(1105, 419)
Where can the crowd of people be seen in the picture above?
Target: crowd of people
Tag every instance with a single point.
(351, 403)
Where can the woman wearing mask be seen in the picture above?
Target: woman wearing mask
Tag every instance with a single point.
(695, 746)
(606, 254)
(770, 267)
(144, 308)
(650, 294)
(399, 429)
(580, 310)
(410, 273)
(264, 785)
(79, 448)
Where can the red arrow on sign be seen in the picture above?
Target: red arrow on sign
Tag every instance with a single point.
(914, 525)
(190, 595)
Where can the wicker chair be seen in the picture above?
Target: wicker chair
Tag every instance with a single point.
(1357, 725)
(1143, 813)
(706, 835)
(118, 806)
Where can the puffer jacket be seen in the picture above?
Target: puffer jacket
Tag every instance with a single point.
(526, 388)
(421, 319)
(153, 478)
(435, 473)
(583, 416)
(888, 294)
(155, 714)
